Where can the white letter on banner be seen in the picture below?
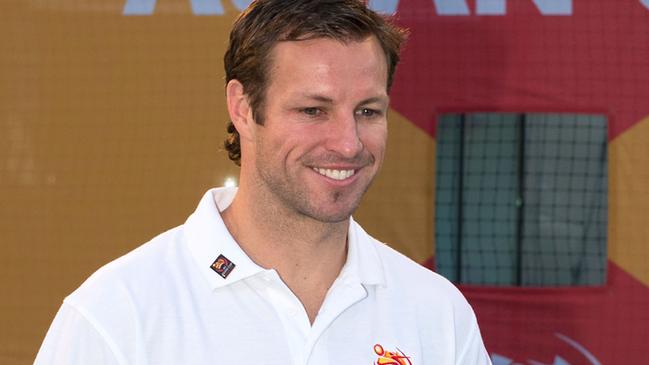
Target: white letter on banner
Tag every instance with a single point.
(199, 7)
(241, 4)
(207, 7)
(645, 3)
(139, 7)
(451, 7)
(491, 7)
(500, 360)
(546, 7)
(554, 7)
(388, 7)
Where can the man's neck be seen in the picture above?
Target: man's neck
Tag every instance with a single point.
(307, 254)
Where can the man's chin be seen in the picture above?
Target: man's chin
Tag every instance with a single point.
(332, 214)
(337, 206)
(333, 218)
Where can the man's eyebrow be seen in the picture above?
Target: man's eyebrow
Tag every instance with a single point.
(324, 99)
(376, 99)
(318, 97)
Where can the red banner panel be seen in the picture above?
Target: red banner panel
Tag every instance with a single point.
(557, 326)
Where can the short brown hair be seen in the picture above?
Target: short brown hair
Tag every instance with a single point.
(266, 22)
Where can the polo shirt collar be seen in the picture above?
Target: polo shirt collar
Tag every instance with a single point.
(363, 260)
(207, 237)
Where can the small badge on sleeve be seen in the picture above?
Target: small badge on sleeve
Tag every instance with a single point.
(222, 266)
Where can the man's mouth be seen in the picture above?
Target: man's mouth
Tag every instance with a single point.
(334, 174)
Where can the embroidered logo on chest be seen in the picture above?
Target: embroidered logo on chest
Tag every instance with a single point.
(396, 357)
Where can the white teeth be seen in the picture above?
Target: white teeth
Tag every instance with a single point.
(334, 174)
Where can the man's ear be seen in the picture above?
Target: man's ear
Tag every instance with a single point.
(239, 109)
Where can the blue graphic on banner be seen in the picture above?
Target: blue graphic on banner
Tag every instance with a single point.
(241, 4)
(207, 7)
(139, 7)
(452, 7)
(491, 7)
(498, 359)
(384, 6)
(645, 3)
(442, 7)
(554, 7)
(215, 7)
(546, 7)
(199, 7)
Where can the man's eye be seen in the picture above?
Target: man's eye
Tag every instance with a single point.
(311, 111)
(368, 113)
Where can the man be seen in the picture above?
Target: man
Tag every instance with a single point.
(277, 272)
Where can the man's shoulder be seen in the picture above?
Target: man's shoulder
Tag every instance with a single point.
(401, 267)
(105, 314)
(134, 272)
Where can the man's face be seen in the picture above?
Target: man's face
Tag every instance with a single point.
(325, 126)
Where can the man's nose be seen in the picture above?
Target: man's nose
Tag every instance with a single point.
(343, 136)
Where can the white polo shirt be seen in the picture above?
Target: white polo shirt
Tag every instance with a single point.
(164, 304)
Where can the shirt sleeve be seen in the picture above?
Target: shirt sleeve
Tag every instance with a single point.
(73, 339)
(474, 352)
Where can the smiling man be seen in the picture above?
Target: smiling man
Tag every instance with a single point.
(276, 271)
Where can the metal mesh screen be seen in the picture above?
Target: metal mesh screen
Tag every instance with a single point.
(522, 199)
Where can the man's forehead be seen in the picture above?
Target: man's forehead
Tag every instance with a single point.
(324, 53)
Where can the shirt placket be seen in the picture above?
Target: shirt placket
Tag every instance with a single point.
(291, 313)
(301, 336)
(344, 293)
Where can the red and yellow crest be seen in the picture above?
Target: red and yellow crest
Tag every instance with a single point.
(389, 357)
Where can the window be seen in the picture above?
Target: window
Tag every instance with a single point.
(522, 199)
